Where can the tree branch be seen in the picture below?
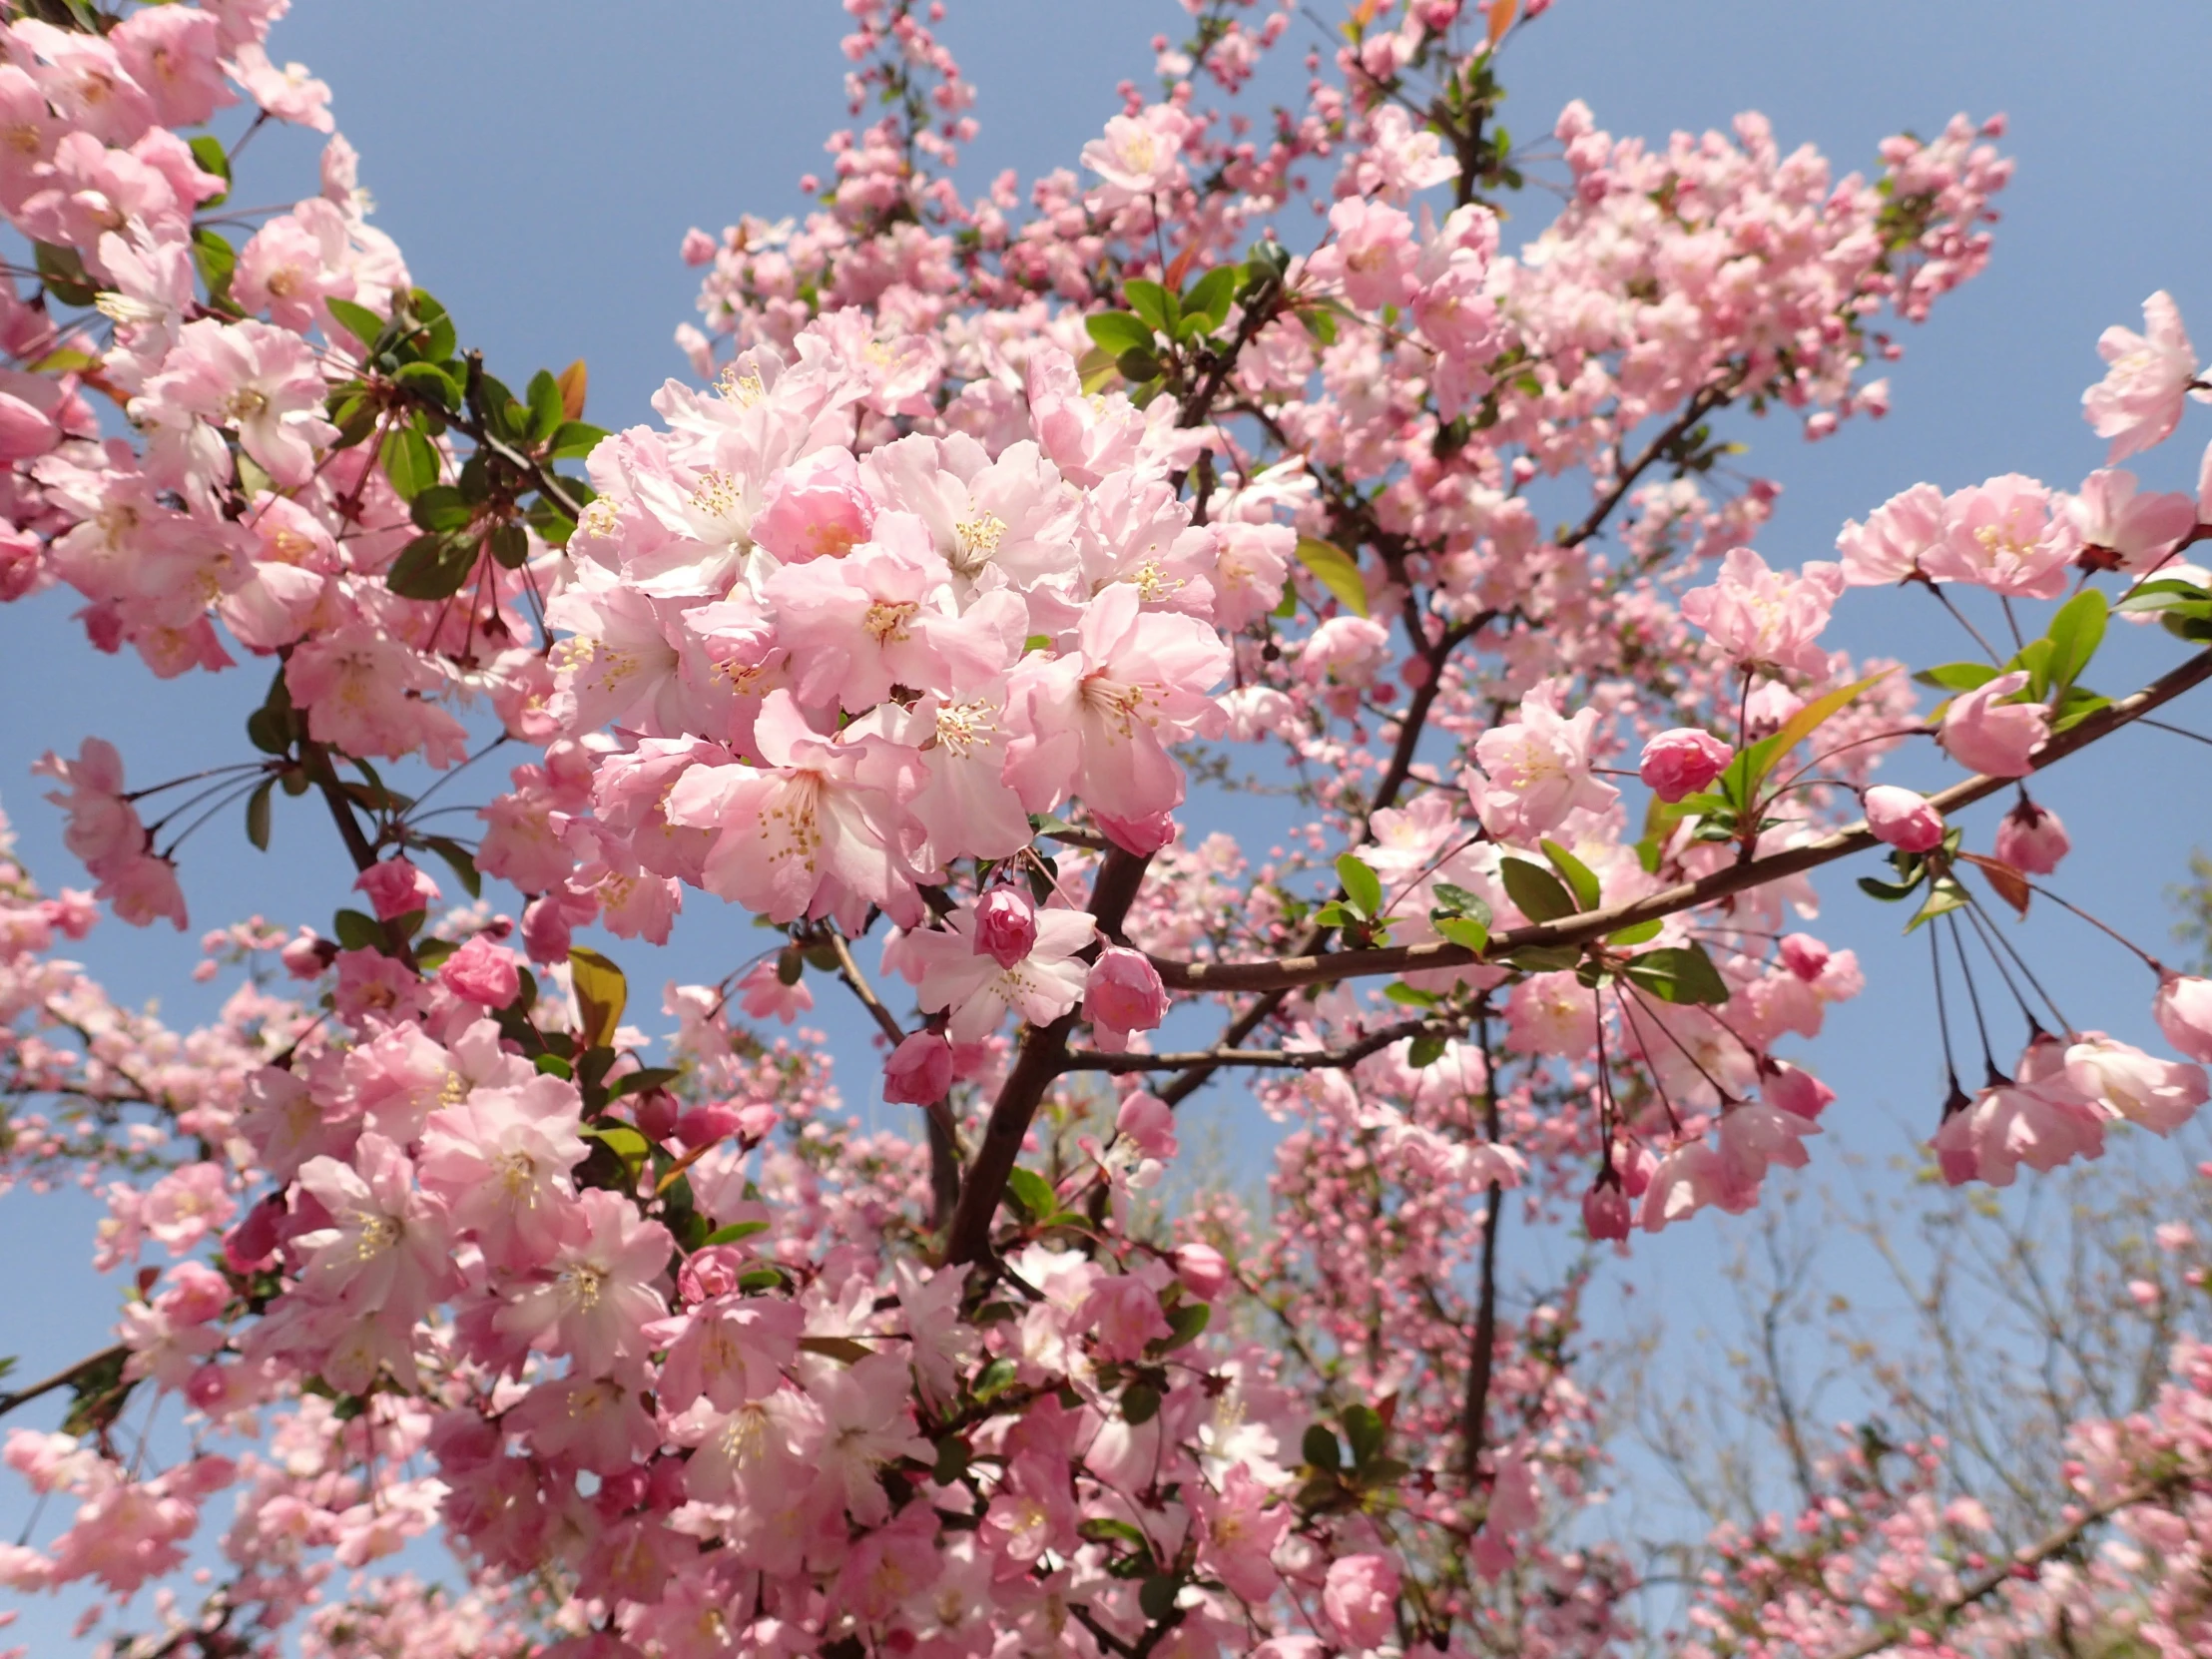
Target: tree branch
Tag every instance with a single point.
(59, 1379)
(945, 1136)
(1279, 1060)
(1287, 972)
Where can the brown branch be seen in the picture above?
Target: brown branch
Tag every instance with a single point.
(1279, 1060)
(1482, 1355)
(1700, 405)
(59, 1379)
(1287, 972)
(945, 1136)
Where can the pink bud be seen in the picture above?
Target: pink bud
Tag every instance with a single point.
(1637, 1167)
(1903, 818)
(757, 1120)
(656, 1113)
(1805, 957)
(253, 1241)
(2030, 839)
(1141, 835)
(2183, 1009)
(705, 1125)
(396, 888)
(306, 957)
(482, 972)
(1202, 1268)
(712, 1272)
(1992, 736)
(1789, 1089)
(546, 930)
(1124, 992)
(1605, 1211)
(1006, 926)
(920, 1070)
(1683, 762)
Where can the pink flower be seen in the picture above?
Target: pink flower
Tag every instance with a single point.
(262, 382)
(814, 509)
(1767, 617)
(950, 972)
(1992, 738)
(1897, 536)
(920, 1070)
(1203, 1271)
(186, 1205)
(1139, 155)
(1241, 1534)
(502, 1160)
(1097, 720)
(395, 887)
(1539, 770)
(288, 94)
(1006, 926)
(1903, 818)
(2183, 1009)
(2161, 1095)
(603, 1292)
(2137, 527)
(1123, 993)
(1344, 650)
(1148, 1122)
(387, 1249)
(2001, 535)
(1796, 1091)
(2139, 403)
(1123, 1315)
(2040, 1119)
(1683, 762)
(763, 994)
(1370, 252)
(1605, 1210)
(363, 692)
(1360, 1596)
(2030, 839)
(483, 973)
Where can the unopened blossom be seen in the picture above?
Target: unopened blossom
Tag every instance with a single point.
(485, 973)
(2032, 837)
(1682, 762)
(396, 888)
(920, 1070)
(1605, 1214)
(2183, 1009)
(1903, 818)
(1123, 993)
(1988, 736)
(2147, 377)
(1006, 926)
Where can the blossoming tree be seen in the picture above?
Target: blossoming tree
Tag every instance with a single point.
(984, 527)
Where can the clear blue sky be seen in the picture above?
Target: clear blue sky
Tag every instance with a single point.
(538, 159)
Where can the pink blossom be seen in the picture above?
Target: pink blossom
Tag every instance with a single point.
(501, 1161)
(763, 994)
(602, 1293)
(1537, 771)
(1123, 1314)
(1139, 155)
(2139, 403)
(1148, 1122)
(2183, 1009)
(1995, 738)
(1897, 536)
(1903, 818)
(950, 972)
(1006, 926)
(2138, 528)
(1370, 252)
(814, 509)
(396, 888)
(1360, 1596)
(1683, 762)
(1344, 650)
(2161, 1095)
(1241, 1532)
(482, 972)
(2003, 535)
(387, 1248)
(2032, 839)
(1605, 1211)
(259, 381)
(1123, 993)
(920, 1070)
(1765, 617)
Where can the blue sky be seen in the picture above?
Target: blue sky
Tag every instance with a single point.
(539, 160)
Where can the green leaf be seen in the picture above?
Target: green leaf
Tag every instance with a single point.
(62, 270)
(1118, 332)
(429, 380)
(357, 931)
(2075, 633)
(1406, 996)
(576, 438)
(1638, 933)
(1140, 1404)
(1156, 1598)
(623, 1141)
(1104, 1529)
(509, 546)
(1363, 888)
(952, 1461)
(1363, 1429)
(1153, 303)
(208, 151)
(216, 261)
(1424, 1051)
(1137, 366)
(1320, 1448)
(458, 859)
(1545, 958)
(1033, 1193)
(1757, 761)
(601, 995)
(546, 412)
(410, 462)
(2076, 706)
(1458, 901)
(2164, 593)
(1209, 297)
(441, 507)
(1464, 931)
(553, 1065)
(994, 1379)
(358, 320)
(732, 1232)
(1889, 893)
(1677, 973)
(432, 566)
(1541, 895)
(642, 1081)
(1335, 570)
(1944, 897)
(1578, 875)
(256, 815)
(1957, 675)
(756, 1280)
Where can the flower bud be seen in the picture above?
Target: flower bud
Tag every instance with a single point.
(1805, 957)
(2030, 839)
(920, 1070)
(1202, 1270)
(1124, 992)
(1904, 819)
(1006, 926)
(397, 888)
(2183, 1009)
(1683, 762)
(1789, 1089)
(1605, 1211)
(483, 973)
(1149, 1123)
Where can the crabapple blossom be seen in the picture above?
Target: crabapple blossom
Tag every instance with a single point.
(1988, 734)
(2148, 375)
(1903, 818)
(1682, 762)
